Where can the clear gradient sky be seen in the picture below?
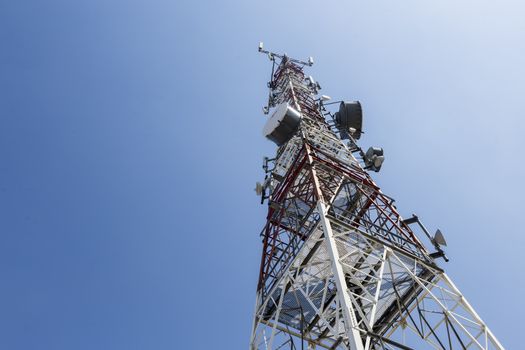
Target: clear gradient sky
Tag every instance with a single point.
(130, 143)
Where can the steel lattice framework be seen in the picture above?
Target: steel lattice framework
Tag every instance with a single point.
(340, 268)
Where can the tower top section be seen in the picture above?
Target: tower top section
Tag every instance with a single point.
(283, 57)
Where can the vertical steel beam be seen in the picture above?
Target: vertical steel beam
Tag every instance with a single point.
(352, 331)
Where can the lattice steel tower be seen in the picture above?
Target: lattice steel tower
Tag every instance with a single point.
(340, 268)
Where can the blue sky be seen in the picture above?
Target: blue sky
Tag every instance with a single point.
(130, 142)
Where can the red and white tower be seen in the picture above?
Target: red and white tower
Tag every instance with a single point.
(340, 268)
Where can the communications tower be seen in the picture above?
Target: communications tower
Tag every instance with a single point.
(340, 268)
